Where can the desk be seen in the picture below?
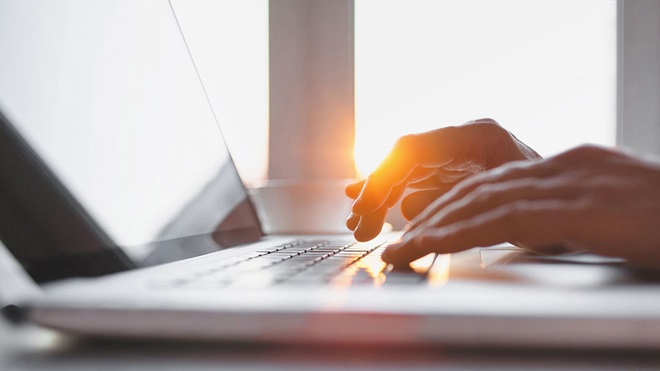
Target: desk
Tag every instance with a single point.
(31, 348)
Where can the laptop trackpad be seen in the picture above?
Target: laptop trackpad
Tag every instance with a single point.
(514, 255)
(576, 270)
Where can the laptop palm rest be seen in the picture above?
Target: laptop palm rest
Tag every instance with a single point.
(573, 270)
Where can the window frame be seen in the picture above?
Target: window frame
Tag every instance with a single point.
(638, 75)
(312, 85)
(312, 89)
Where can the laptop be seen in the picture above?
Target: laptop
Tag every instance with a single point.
(122, 215)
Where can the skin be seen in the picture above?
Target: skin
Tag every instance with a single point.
(477, 185)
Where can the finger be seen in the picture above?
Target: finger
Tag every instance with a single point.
(413, 204)
(428, 184)
(396, 194)
(440, 179)
(397, 191)
(452, 176)
(535, 223)
(491, 196)
(434, 148)
(370, 225)
(420, 173)
(353, 190)
(352, 221)
(429, 179)
(511, 171)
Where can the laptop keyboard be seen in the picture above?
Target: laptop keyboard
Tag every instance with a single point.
(298, 262)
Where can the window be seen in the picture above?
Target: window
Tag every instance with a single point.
(542, 68)
(545, 69)
(229, 43)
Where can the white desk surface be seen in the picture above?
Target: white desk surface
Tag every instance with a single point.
(32, 348)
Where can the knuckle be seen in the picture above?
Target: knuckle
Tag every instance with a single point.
(484, 193)
(446, 131)
(481, 197)
(584, 152)
(488, 127)
(512, 170)
(492, 133)
(487, 121)
(406, 141)
(536, 187)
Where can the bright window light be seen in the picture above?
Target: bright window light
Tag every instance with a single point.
(229, 43)
(544, 69)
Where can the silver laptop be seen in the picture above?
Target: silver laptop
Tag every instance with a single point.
(122, 215)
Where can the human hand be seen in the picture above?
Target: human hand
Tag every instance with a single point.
(431, 163)
(587, 199)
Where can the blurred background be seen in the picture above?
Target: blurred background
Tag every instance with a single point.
(545, 69)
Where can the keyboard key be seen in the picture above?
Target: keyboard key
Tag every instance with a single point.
(297, 249)
(350, 254)
(318, 253)
(346, 260)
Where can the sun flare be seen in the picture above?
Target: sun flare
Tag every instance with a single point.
(372, 144)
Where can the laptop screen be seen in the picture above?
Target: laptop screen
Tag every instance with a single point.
(107, 95)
